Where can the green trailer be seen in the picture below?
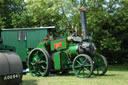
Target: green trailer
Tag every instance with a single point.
(24, 38)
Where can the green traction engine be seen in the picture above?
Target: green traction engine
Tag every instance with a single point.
(65, 53)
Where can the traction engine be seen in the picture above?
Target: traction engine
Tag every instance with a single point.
(62, 54)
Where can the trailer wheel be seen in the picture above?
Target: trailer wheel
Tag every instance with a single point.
(38, 62)
(100, 65)
(83, 66)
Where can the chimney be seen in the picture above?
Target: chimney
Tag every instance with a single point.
(83, 23)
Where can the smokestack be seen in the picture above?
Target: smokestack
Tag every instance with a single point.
(83, 23)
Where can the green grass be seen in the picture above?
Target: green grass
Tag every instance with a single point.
(116, 75)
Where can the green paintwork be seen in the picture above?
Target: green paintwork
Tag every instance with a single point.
(63, 41)
(73, 49)
(64, 60)
(41, 45)
(57, 64)
(33, 37)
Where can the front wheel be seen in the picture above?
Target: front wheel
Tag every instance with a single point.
(83, 66)
(100, 65)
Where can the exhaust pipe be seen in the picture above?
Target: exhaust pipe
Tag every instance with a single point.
(83, 23)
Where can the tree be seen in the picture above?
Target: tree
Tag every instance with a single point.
(43, 11)
(8, 9)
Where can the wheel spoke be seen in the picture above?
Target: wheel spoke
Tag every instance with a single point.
(43, 67)
(78, 62)
(78, 66)
(79, 71)
(85, 69)
(97, 70)
(42, 61)
(83, 72)
(85, 60)
(36, 58)
(87, 65)
(33, 63)
(81, 60)
(40, 73)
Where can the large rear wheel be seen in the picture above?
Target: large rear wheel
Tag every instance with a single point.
(38, 62)
(83, 66)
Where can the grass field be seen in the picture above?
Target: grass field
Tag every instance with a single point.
(116, 75)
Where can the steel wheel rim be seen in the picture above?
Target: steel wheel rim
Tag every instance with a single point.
(82, 66)
(38, 62)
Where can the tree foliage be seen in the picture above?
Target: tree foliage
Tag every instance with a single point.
(108, 19)
(8, 9)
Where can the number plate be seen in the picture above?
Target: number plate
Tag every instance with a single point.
(12, 76)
